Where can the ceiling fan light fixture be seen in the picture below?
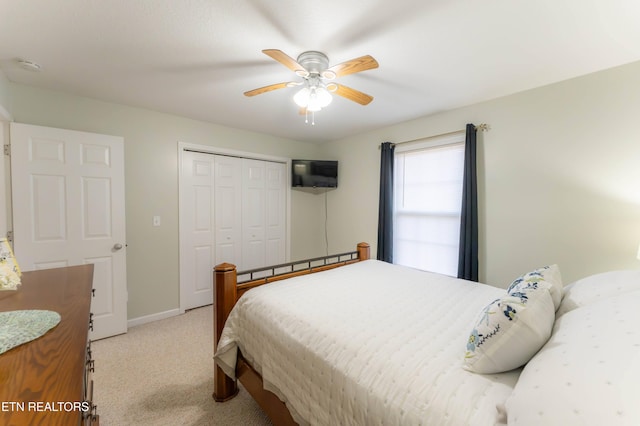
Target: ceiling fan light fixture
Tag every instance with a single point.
(301, 98)
(313, 98)
(322, 96)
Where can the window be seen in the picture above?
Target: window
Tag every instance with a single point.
(427, 204)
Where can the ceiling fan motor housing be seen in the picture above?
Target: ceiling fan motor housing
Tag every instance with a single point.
(314, 62)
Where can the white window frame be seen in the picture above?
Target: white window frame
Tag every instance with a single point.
(445, 265)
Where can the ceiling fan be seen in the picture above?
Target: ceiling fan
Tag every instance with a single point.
(313, 68)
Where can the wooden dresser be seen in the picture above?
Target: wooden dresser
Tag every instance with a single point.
(48, 381)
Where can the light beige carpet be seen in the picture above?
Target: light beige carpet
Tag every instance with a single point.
(161, 373)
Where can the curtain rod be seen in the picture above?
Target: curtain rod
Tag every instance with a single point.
(482, 127)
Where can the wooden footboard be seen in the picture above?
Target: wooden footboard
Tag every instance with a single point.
(230, 285)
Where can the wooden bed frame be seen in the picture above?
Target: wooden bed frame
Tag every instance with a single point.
(228, 289)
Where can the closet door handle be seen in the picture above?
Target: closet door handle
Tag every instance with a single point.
(117, 246)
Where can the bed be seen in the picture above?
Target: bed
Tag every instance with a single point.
(364, 342)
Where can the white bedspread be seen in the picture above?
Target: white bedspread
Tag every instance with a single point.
(368, 344)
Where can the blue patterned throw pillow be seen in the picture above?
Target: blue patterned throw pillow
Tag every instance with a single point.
(511, 329)
(548, 275)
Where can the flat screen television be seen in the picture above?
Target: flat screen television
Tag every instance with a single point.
(314, 173)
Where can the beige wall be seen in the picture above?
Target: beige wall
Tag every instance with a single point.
(151, 173)
(559, 177)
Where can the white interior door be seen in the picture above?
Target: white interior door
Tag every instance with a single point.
(68, 209)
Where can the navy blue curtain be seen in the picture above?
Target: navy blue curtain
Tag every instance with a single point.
(385, 211)
(468, 254)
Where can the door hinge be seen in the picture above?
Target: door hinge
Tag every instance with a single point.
(7, 149)
(10, 236)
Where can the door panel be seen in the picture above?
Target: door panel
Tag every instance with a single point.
(202, 257)
(228, 207)
(48, 199)
(96, 208)
(68, 209)
(275, 217)
(253, 213)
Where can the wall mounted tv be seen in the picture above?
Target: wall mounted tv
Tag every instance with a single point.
(314, 173)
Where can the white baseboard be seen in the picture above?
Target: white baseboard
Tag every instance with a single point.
(153, 317)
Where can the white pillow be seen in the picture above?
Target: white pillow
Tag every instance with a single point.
(596, 287)
(548, 274)
(588, 373)
(510, 330)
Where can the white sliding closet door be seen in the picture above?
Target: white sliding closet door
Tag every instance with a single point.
(196, 229)
(275, 212)
(263, 213)
(231, 210)
(228, 205)
(253, 214)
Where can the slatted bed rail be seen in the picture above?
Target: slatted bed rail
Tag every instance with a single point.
(286, 270)
(228, 289)
(298, 265)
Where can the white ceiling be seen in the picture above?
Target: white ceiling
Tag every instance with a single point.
(195, 58)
